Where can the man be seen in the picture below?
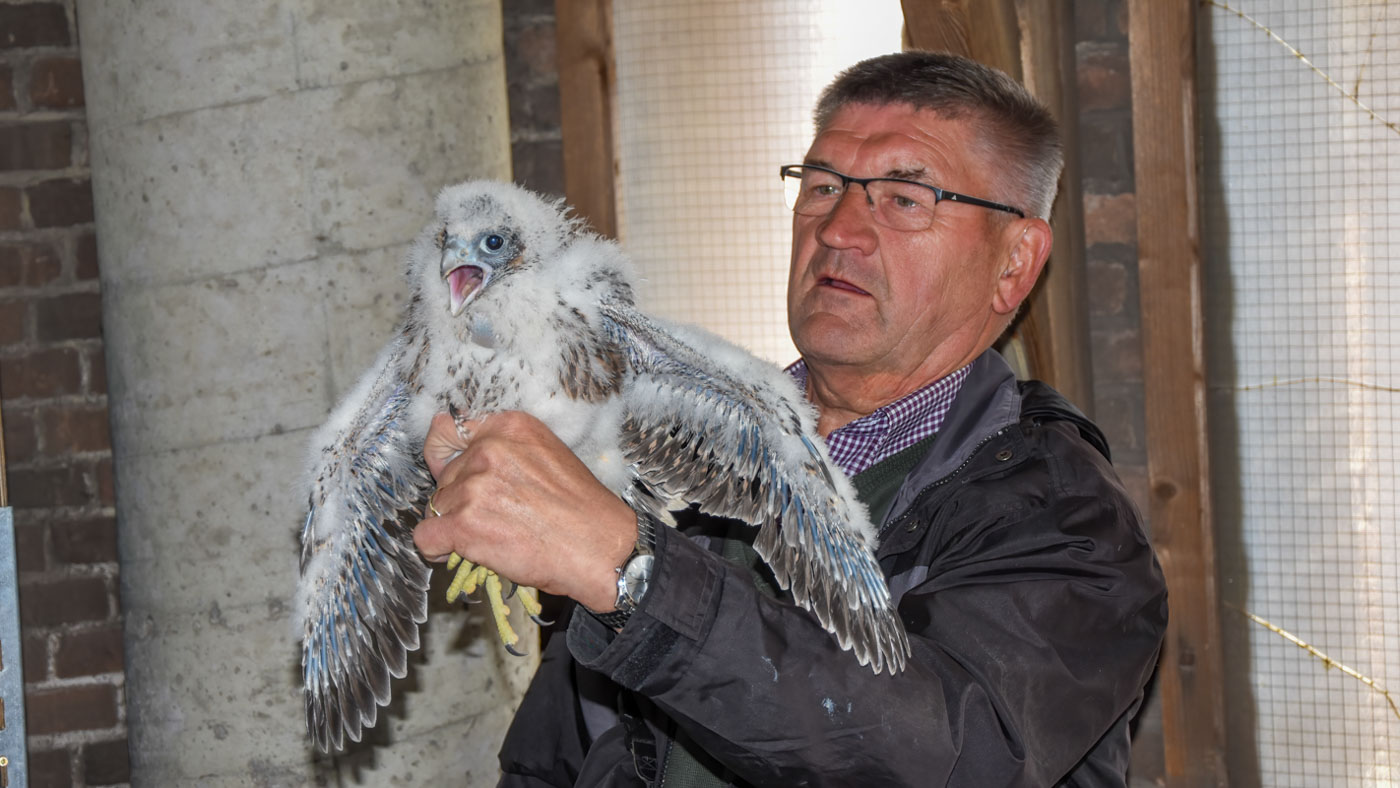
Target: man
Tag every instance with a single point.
(1018, 563)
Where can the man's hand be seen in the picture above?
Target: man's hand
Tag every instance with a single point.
(514, 498)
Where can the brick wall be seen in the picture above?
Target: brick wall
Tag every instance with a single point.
(532, 84)
(1115, 319)
(53, 392)
(1110, 230)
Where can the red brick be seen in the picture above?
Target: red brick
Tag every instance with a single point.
(106, 483)
(1103, 78)
(12, 317)
(1118, 410)
(106, 763)
(13, 265)
(36, 658)
(61, 203)
(46, 145)
(539, 164)
(33, 25)
(57, 83)
(74, 429)
(21, 436)
(7, 87)
(43, 373)
(1117, 356)
(1108, 287)
(1110, 219)
(1105, 147)
(1098, 20)
(51, 769)
(29, 264)
(533, 107)
(84, 708)
(531, 56)
(11, 208)
(36, 488)
(65, 601)
(29, 547)
(85, 249)
(97, 371)
(91, 541)
(90, 653)
(72, 316)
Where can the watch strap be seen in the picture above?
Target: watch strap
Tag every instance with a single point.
(647, 524)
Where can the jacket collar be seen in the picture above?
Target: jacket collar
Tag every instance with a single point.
(988, 403)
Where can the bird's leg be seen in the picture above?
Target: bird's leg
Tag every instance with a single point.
(530, 602)
(469, 576)
(501, 613)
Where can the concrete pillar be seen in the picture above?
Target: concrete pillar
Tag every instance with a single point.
(258, 168)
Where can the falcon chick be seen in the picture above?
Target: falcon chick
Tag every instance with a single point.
(514, 306)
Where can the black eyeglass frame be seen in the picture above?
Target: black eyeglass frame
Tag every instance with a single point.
(939, 195)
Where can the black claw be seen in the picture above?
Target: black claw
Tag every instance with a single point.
(514, 586)
(513, 652)
(541, 621)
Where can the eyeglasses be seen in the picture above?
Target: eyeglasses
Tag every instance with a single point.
(896, 203)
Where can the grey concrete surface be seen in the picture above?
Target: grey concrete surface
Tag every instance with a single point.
(258, 169)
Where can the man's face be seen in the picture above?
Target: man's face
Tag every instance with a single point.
(902, 306)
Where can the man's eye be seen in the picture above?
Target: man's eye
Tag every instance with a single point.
(826, 190)
(901, 201)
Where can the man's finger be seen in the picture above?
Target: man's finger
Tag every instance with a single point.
(433, 539)
(443, 444)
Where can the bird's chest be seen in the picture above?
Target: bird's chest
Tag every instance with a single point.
(478, 381)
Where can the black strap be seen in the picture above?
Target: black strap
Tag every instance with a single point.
(640, 740)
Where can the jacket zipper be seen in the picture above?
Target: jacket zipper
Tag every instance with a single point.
(927, 491)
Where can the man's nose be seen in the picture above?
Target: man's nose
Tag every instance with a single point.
(851, 223)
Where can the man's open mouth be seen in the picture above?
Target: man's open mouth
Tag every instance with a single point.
(841, 284)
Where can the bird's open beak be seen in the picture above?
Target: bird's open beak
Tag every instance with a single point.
(466, 276)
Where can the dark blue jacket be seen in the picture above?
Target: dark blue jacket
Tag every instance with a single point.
(1034, 605)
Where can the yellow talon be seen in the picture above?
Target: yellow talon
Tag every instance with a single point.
(530, 602)
(469, 576)
(499, 611)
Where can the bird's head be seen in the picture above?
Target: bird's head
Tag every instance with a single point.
(470, 263)
(484, 234)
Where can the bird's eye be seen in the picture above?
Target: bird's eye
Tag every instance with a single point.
(492, 243)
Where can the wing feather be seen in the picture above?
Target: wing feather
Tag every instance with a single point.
(734, 435)
(363, 587)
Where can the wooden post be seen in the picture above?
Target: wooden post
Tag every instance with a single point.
(1162, 51)
(587, 84)
(1033, 41)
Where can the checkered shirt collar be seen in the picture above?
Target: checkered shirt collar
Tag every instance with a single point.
(893, 428)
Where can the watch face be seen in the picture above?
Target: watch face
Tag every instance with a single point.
(636, 576)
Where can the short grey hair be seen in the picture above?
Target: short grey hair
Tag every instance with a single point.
(1017, 129)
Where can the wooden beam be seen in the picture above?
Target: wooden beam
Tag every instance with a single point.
(1033, 41)
(1162, 53)
(984, 30)
(587, 84)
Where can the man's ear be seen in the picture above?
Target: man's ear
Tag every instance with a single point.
(1029, 242)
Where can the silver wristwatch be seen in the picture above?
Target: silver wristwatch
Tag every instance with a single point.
(634, 575)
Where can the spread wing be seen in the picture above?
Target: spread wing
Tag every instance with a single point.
(363, 588)
(711, 424)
